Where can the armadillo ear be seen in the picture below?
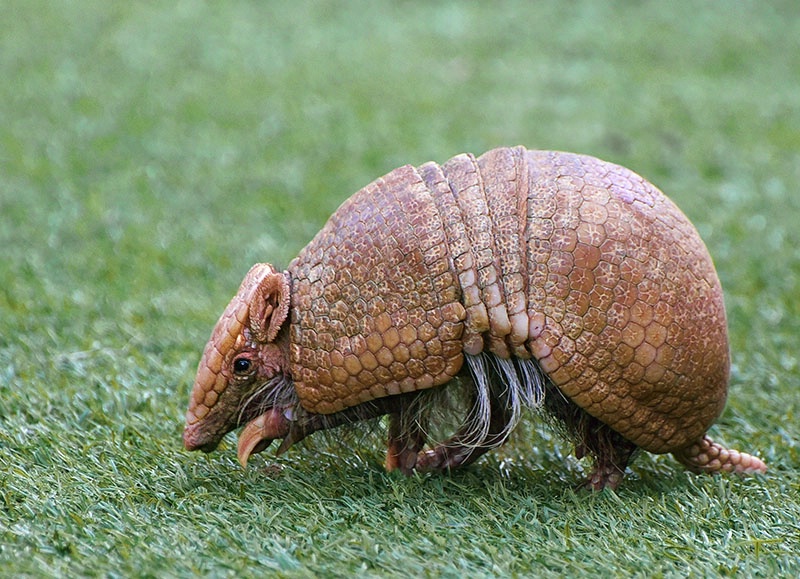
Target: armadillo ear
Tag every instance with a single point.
(269, 306)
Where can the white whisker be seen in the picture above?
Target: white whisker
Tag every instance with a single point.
(277, 391)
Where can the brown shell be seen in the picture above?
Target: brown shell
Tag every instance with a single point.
(576, 262)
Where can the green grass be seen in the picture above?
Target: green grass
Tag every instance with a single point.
(150, 152)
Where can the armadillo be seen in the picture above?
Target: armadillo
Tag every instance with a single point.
(520, 279)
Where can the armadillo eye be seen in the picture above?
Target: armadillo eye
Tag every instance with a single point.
(241, 365)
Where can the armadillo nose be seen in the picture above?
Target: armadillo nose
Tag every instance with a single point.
(195, 439)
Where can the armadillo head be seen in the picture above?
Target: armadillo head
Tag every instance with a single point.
(243, 376)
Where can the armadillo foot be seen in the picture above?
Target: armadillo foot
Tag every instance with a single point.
(259, 433)
(605, 476)
(450, 456)
(405, 444)
(705, 455)
(611, 455)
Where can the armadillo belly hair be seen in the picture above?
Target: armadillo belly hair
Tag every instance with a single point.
(489, 396)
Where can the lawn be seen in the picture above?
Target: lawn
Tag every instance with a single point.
(150, 152)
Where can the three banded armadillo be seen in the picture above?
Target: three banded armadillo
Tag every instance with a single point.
(562, 280)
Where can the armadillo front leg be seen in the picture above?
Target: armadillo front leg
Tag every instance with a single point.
(493, 411)
(460, 450)
(406, 441)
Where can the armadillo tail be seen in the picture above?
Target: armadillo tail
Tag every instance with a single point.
(705, 455)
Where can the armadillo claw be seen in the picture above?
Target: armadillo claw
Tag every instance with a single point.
(259, 433)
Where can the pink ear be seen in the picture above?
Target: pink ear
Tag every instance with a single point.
(269, 306)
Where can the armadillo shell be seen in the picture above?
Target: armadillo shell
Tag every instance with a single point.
(578, 263)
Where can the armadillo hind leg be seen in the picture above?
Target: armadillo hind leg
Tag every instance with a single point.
(608, 449)
(611, 453)
(705, 455)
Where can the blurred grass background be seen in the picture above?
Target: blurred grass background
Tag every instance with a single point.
(150, 152)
